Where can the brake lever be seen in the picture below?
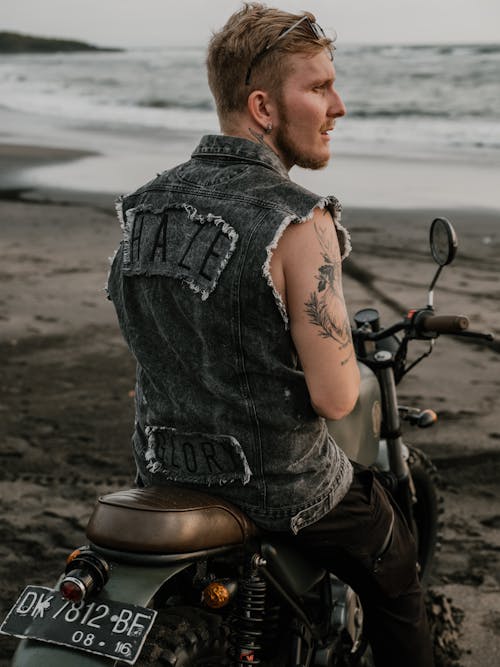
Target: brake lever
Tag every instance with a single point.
(474, 334)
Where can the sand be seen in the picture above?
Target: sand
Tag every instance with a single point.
(67, 380)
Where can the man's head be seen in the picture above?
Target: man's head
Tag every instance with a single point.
(256, 67)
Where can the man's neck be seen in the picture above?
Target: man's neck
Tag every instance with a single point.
(257, 136)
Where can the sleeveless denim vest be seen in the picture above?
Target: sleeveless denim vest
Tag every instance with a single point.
(221, 401)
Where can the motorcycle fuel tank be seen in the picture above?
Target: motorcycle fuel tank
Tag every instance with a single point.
(358, 434)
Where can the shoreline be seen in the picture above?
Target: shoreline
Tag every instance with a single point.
(478, 226)
(108, 162)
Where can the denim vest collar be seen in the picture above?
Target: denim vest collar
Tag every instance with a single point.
(241, 150)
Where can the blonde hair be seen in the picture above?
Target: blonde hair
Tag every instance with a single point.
(233, 50)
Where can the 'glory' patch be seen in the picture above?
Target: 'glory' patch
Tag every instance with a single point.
(177, 242)
(195, 457)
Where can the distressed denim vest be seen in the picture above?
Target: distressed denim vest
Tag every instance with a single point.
(221, 400)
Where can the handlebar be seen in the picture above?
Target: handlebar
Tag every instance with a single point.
(419, 324)
(423, 324)
(441, 324)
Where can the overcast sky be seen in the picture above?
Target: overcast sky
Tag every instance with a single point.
(189, 22)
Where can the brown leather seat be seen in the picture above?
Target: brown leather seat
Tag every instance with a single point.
(166, 520)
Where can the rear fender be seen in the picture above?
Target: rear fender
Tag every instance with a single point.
(134, 584)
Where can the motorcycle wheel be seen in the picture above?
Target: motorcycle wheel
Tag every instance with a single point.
(185, 637)
(426, 510)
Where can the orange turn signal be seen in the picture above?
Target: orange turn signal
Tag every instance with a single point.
(217, 594)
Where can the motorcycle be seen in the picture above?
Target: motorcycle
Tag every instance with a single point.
(181, 578)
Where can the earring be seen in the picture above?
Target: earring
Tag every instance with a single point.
(269, 128)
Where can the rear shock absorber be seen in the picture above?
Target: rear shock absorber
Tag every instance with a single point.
(248, 628)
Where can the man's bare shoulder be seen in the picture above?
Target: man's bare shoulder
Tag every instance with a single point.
(303, 238)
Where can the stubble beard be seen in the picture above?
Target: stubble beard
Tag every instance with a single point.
(292, 153)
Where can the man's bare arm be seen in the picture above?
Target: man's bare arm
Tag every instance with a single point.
(307, 271)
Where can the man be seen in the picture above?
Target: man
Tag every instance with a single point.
(228, 291)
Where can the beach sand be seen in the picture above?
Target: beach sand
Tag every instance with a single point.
(67, 382)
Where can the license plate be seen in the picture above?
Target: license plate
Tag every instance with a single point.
(113, 629)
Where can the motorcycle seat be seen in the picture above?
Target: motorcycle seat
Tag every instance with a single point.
(167, 520)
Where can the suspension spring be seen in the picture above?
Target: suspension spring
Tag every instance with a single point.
(249, 619)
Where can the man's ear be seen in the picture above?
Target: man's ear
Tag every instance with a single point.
(261, 109)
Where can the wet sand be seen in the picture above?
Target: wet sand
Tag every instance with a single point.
(67, 383)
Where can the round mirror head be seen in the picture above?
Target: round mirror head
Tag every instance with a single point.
(443, 241)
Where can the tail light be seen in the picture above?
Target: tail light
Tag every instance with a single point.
(86, 574)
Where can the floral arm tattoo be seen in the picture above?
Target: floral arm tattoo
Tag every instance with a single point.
(325, 307)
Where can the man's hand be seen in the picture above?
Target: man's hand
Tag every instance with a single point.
(307, 271)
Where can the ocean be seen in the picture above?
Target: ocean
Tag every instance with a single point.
(433, 103)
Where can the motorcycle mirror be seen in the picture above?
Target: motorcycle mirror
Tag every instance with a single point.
(443, 241)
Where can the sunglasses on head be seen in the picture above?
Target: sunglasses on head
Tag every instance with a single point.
(316, 30)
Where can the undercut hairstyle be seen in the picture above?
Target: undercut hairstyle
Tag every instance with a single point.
(239, 50)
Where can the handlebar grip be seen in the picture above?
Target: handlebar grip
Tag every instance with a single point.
(443, 324)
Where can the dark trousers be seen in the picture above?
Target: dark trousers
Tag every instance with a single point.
(354, 541)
